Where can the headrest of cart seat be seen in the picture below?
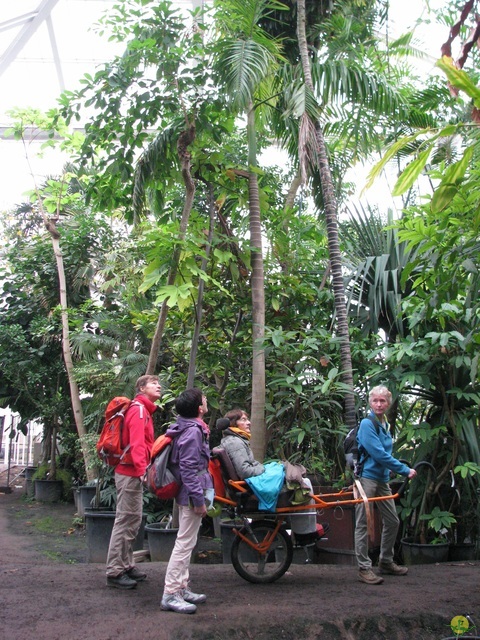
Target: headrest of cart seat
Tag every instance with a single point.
(227, 467)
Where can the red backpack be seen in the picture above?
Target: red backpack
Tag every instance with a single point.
(159, 480)
(109, 445)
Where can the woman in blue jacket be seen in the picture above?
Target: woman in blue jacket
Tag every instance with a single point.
(375, 452)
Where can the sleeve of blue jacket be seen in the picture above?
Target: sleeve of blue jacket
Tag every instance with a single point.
(379, 446)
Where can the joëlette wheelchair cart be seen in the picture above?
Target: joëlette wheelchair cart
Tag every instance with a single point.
(262, 550)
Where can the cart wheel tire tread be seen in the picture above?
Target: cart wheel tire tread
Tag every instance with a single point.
(251, 566)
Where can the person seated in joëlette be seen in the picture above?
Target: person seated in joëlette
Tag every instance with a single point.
(236, 442)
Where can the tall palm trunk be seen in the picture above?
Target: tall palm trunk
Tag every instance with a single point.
(258, 297)
(319, 160)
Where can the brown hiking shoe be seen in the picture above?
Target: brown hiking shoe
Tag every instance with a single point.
(392, 569)
(367, 576)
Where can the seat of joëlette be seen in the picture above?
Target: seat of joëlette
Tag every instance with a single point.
(246, 500)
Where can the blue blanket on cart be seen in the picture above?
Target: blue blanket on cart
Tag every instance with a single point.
(267, 485)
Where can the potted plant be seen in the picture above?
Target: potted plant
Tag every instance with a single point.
(51, 482)
(464, 533)
(425, 535)
(161, 538)
(100, 518)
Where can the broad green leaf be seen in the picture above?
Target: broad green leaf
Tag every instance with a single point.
(449, 130)
(442, 197)
(456, 172)
(411, 172)
(459, 79)
(390, 153)
(447, 189)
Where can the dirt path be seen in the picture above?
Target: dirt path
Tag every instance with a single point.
(48, 592)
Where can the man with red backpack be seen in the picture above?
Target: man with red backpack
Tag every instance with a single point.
(137, 441)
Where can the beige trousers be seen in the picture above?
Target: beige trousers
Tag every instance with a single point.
(390, 524)
(177, 575)
(128, 519)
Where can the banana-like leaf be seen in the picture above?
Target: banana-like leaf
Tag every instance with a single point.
(459, 79)
(389, 154)
(447, 189)
(411, 172)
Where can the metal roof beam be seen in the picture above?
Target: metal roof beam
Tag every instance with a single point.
(26, 33)
(14, 22)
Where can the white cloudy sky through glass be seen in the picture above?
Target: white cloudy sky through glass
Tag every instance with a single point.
(31, 80)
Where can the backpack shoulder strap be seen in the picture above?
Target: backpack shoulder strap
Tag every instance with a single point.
(374, 421)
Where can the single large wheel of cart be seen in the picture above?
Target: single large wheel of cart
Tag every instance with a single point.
(265, 567)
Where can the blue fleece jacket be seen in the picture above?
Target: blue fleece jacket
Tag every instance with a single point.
(379, 445)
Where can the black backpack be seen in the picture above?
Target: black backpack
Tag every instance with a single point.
(356, 455)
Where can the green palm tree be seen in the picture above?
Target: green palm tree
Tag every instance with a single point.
(313, 157)
(247, 59)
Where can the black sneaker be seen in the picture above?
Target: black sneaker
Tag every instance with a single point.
(121, 582)
(136, 574)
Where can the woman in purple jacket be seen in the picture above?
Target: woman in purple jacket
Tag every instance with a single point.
(189, 463)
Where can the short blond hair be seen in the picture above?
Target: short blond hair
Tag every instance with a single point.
(381, 390)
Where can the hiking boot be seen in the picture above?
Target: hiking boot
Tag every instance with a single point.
(392, 569)
(175, 602)
(193, 598)
(121, 582)
(367, 576)
(136, 574)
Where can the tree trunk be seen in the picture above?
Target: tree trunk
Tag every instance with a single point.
(319, 161)
(201, 285)
(185, 139)
(258, 299)
(88, 456)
